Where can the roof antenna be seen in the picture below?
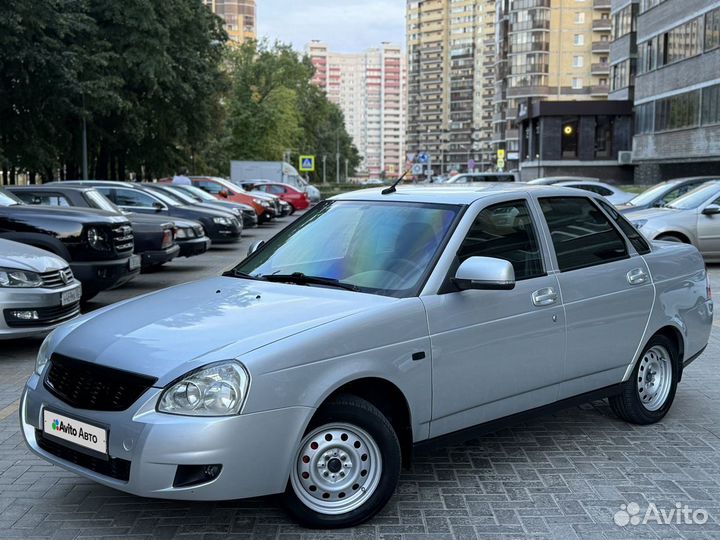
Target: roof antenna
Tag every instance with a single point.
(392, 189)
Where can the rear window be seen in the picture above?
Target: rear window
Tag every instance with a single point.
(581, 234)
(636, 239)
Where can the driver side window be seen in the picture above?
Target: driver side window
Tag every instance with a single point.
(506, 231)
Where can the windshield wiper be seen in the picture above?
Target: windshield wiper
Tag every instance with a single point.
(243, 275)
(301, 279)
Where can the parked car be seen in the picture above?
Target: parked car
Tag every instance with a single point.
(38, 291)
(154, 235)
(222, 189)
(219, 226)
(374, 322)
(469, 178)
(552, 180)
(98, 245)
(272, 171)
(693, 219)
(611, 193)
(298, 200)
(281, 207)
(250, 218)
(664, 193)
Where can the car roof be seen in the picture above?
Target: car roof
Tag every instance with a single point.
(582, 182)
(51, 186)
(463, 194)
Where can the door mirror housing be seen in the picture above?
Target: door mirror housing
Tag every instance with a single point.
(255, 246)
(224, 194)
(485, 273)
(711, 210)
(158, 206)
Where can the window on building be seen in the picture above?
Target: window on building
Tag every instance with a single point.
(578, 61)
(712, 29)
(579, 39)
(644, 118)
(577, 83)
(677, 112)
(580, 17)
(569, 146)
(582, 235)
(603, 136)
(711, 105)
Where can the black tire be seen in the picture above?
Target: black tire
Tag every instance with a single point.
(628, 405)
(669, 237)
(353, 411)
(292, 209)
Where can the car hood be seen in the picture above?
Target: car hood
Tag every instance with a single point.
(21, 257)
(78, 215)
(652, 213)
(170, 332)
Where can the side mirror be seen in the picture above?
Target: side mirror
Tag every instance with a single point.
(224, 194)
(159, 207)
(485, 273)
(255, 246)
(711, 210)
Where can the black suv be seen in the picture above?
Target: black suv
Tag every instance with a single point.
(98, 245)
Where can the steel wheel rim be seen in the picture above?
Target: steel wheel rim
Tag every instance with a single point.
(337, 469)
(654, 378)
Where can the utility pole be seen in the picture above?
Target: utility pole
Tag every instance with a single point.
(337, 158)
(84, 143)
(324, 169)
(347, 162)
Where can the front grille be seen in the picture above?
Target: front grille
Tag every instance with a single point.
(46, 316)
(123, 239)
(113, 467)
(57, 279)
(83, 385)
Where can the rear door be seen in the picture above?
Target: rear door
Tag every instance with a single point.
(606, 289)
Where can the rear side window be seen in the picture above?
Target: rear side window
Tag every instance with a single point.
(600, 190)
(582, 235)
(47, 199)
(137, 199)
(636, 239)
(505, 231)
(210, 187)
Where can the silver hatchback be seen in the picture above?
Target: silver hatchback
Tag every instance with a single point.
(38, 291)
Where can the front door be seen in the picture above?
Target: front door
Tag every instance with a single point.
(607, 293)
(708, 232)
(496, 353)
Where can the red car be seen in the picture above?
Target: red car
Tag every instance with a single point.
(298, 200)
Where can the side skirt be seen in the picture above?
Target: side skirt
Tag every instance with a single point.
(459, 437)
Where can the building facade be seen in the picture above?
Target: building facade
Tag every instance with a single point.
(451, 58)
(240, 17)
(548, 50)
(371, 90)
(677, 89)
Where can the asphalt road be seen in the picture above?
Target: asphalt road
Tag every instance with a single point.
(570, 475)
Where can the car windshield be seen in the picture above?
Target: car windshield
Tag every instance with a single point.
(8, 199)
(696, 197)
(197, 193)
(651, 195)
(177, 195)
(98, 200)
(384, 248)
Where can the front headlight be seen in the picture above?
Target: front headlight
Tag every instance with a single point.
(182, 233)
(640, 223)
(97, 239)
(215, 390)
(19, 278)
(43, 355)
(221, 220)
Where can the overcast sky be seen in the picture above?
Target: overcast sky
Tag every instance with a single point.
(346, 25)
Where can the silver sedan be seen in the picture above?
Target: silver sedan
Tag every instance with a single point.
(38, 291)
(693, 219)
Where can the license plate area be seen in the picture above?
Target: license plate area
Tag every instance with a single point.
(76, 432)
(134, 262)
(70, 297)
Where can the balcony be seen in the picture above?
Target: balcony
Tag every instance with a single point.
(529, 25)
(601, 25)
(599, 90)
(602, 68)
(602, 4)
(601, 47)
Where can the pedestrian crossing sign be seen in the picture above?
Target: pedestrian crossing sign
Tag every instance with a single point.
(307, 163)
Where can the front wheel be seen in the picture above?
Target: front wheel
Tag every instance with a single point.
(649, 393)
(346, 467)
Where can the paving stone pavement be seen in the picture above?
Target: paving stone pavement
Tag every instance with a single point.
(561, 476)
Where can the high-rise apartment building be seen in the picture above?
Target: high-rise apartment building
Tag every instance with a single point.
(672, 73)
(371, 90)
(548, 50)
(239, 15)
(451, 57)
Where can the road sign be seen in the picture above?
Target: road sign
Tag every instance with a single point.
(501, 154)
(418, 169)
(500, 164)
(423, 158)
(307, 163)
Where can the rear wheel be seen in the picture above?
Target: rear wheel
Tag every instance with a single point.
(346, 467)
(649, 393)
(292, 208)
(671, 238)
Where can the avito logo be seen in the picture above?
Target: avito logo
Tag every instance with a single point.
(68, 429)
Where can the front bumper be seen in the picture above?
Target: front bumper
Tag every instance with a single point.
(255, 450)
(152, 258)
(224, 234)
(98, 276)
(194, 246)
(48, 303)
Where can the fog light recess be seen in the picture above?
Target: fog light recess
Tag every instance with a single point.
(194, 475)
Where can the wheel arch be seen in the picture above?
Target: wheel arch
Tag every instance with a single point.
(671, 332)
(684, 237)
(390, 400)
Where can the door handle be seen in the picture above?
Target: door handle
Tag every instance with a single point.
(544, 297)
(637, 276)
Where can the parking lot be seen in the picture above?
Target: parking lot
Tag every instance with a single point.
(564, 475)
